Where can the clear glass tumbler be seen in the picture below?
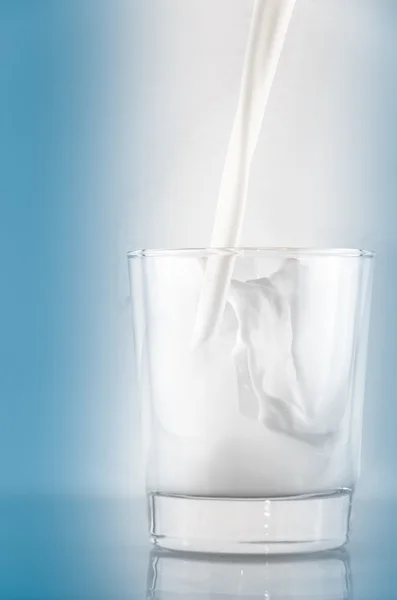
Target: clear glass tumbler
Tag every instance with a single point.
(252, 435)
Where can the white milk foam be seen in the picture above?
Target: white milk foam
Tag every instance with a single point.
(263, 408)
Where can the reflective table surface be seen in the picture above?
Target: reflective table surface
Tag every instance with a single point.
(89, 548)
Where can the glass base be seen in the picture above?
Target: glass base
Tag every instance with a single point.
(290, 525)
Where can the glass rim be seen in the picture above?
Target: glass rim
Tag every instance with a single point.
(240, 251)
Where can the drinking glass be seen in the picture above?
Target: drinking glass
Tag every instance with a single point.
(252, 435)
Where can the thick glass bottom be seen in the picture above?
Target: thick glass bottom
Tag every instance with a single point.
(290, 525)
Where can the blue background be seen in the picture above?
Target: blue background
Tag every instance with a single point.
(45, 90)
(69, 460)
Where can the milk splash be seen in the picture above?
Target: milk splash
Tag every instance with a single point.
(268, 365)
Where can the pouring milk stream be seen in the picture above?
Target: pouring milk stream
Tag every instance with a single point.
(268, 30)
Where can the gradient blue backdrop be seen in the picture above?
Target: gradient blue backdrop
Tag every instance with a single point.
(69, 420)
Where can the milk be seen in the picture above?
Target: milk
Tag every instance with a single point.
(250, 377)
(263, 408)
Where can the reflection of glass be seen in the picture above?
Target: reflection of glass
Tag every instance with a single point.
(252, 436)
(177, 576)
